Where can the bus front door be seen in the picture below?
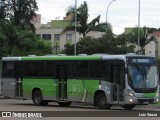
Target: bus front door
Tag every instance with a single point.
(62, 82)
(118, 84)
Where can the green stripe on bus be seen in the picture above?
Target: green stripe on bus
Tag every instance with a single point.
(61, 58)
(45, 85)
(149, 95)
(75, 87)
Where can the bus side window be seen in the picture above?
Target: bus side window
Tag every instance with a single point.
(47, 69)
(80, 69)
(32, 69)
(97, 69)
(107, 72)
(8, 69)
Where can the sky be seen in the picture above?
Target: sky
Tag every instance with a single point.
(121, 13)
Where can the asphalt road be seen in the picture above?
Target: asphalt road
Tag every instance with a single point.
(78, 111)
(27, 105)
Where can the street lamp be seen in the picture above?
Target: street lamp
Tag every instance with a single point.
(139, 3)
(107, 9)
(75, 31)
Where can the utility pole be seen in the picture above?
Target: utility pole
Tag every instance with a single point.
(107, 9)
(75, 31)
(139, 5)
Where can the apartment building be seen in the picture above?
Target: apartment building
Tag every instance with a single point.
(53, 32)
(157, 43)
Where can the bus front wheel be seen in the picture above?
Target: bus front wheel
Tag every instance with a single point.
(37, 98)
(101, 101)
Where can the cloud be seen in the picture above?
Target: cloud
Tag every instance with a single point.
(50, 9)
(122, 13)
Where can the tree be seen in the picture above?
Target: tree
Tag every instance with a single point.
(145, 38)
(19, 12)
(122, 44)
(12, 37)
(14, 41)
(105, 44)
(151, 30)
(38, 47)
(2, 9)
(83, 27)
(68, 49)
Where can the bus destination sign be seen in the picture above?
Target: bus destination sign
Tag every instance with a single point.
(141, 61)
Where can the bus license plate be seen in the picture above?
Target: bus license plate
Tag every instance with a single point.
(146, 102)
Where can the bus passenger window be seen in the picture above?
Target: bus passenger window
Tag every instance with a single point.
(80, 69)
(97, 69)
(47, 69)
(32, 69)
(8, 69)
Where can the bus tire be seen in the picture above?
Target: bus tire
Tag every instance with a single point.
(64, 104)
(37, 98)
(128, 107)
(101, 101)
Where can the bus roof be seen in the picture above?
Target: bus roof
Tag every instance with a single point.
(87, 57)
(34, 58)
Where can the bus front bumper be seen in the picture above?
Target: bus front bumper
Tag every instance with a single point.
(141, 101)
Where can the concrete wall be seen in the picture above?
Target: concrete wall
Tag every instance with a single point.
(158, 47)
(150, 49)
(62, 40)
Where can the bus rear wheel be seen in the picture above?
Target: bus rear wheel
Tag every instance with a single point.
(64, 104)
(128, 107)
(101, 101)
(37, 98)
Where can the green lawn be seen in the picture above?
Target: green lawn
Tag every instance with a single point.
(158, 103)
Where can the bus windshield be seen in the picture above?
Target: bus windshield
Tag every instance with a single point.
(143, 76)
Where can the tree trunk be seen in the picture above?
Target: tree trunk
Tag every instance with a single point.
(84, 35)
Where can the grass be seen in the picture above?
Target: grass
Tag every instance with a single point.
(158, 103)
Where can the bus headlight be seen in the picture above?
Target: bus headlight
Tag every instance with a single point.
(130, 100)
(130, 93)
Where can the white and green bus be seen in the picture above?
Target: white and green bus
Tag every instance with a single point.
(100, 80)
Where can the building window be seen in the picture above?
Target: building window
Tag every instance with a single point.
(56, 36)
(68, 36)
(46, 36)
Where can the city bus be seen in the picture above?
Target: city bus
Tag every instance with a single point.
(99, 80)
